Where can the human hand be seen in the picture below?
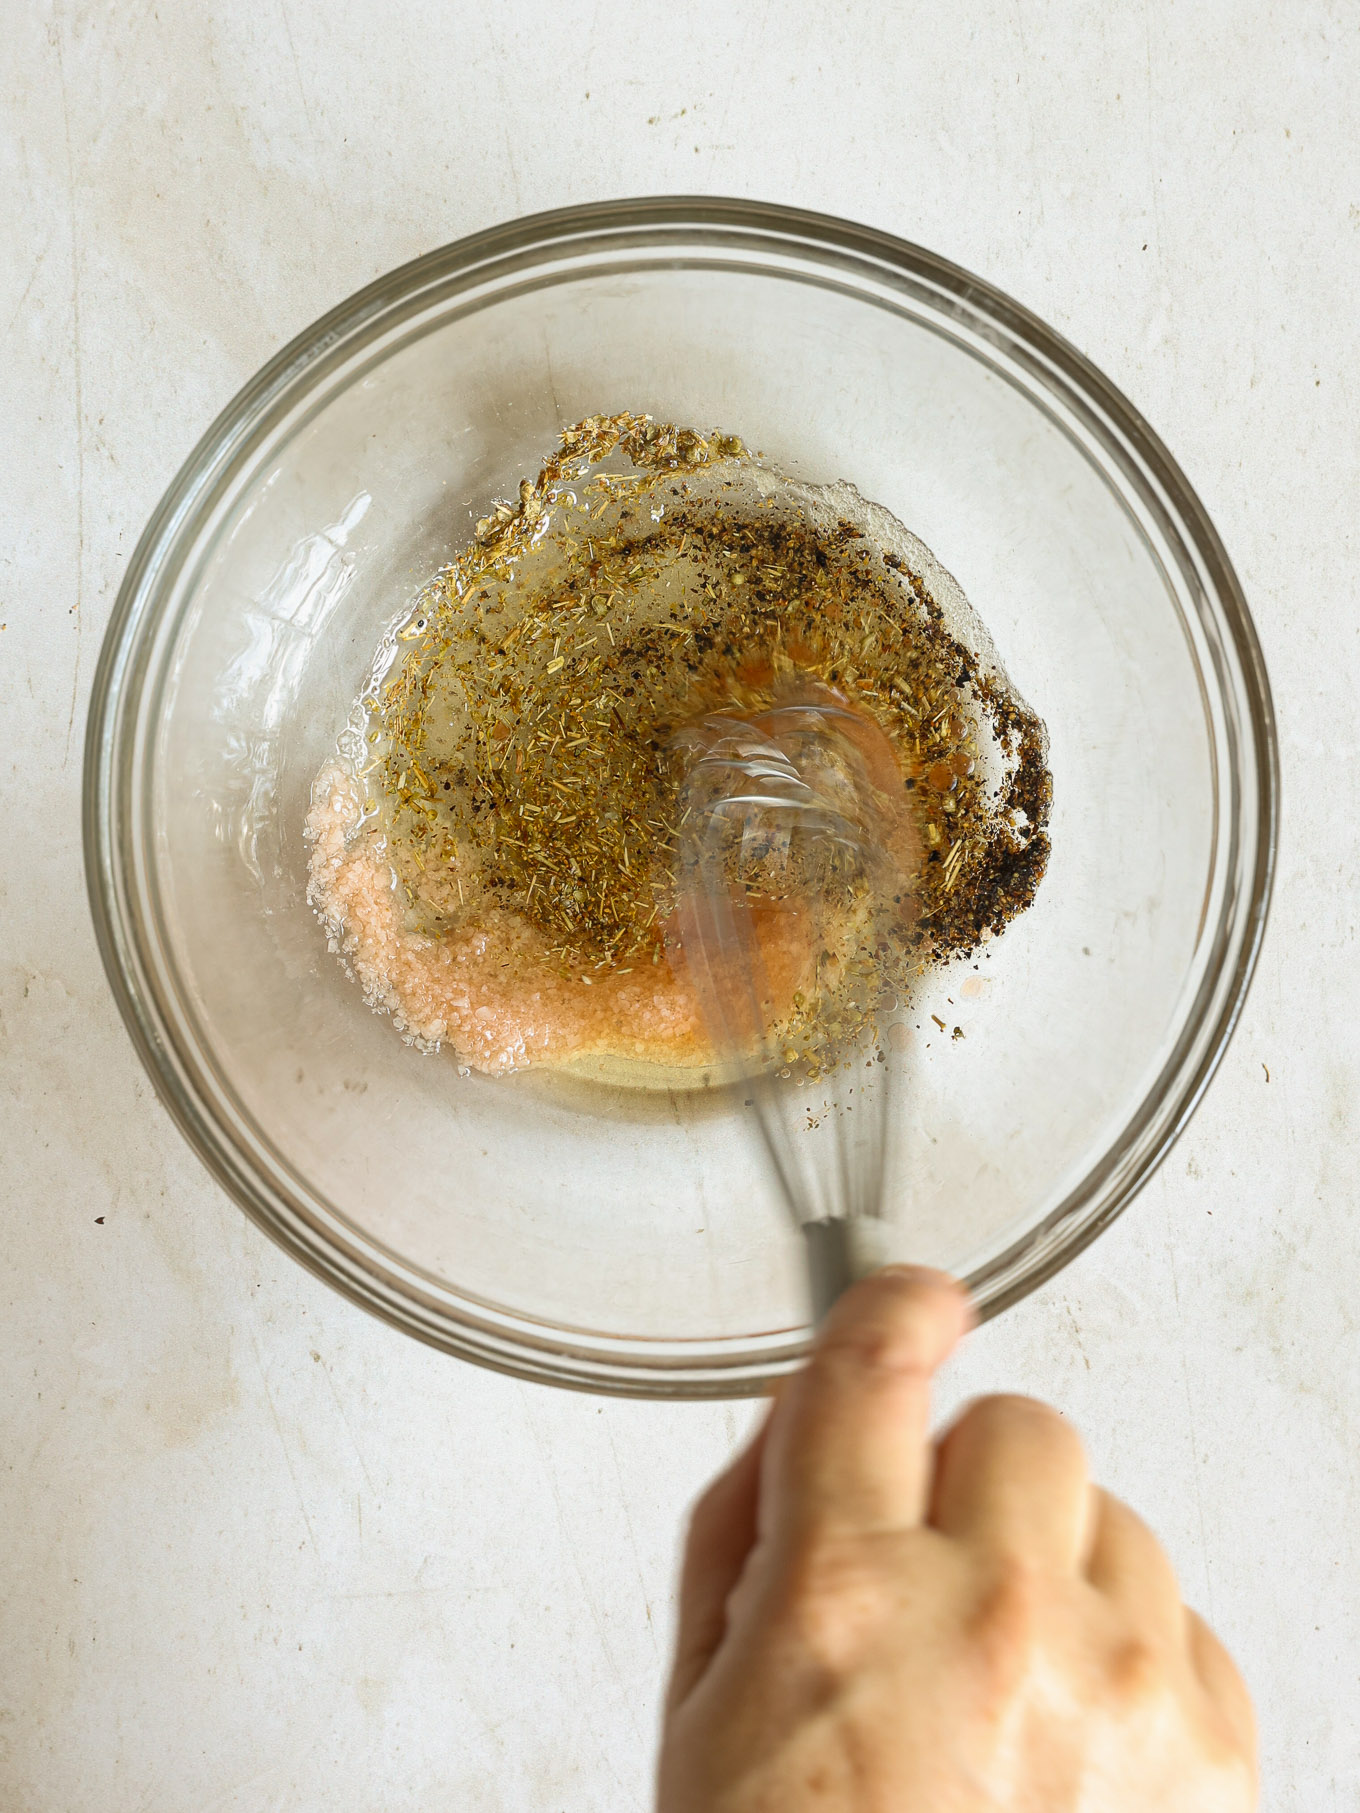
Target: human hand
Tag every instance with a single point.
(870, 1623)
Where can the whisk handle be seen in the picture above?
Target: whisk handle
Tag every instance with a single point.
(839, 1251)
(830, 1259)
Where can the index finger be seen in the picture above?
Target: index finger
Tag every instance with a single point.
(848, 1449)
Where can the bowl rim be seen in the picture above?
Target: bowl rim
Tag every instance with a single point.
(394, 1292)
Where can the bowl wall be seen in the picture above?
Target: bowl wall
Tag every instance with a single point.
(560, 1228)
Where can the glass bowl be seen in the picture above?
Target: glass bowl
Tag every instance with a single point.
(560, 1229)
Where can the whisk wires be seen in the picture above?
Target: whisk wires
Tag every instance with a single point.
(780, 833)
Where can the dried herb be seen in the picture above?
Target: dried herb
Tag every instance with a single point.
(522, 741)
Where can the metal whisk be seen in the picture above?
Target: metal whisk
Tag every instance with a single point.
(777, 813)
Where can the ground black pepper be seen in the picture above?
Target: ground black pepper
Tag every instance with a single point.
(523, 743)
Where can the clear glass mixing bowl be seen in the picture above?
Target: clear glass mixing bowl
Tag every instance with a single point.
(568, 1232)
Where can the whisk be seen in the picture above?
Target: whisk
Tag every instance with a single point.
(778, 816)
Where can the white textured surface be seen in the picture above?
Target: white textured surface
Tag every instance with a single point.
(256, 1551)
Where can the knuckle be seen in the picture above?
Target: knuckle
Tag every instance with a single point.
(1135, 1673)
(828, 1601)
(1004, 1632)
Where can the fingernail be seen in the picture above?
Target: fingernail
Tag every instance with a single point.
(917, 1274)
(926, 1277)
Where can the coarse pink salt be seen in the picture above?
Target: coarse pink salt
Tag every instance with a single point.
(489, 989)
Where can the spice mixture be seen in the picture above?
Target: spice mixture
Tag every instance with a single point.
(494, 844)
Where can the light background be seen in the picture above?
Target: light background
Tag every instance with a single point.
(257, 1551)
